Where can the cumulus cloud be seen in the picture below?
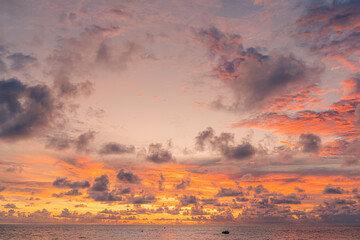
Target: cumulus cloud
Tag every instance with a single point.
(228, 192)
(186, 200)
(24, 109)
(225, 144)
(289, 199)
(101, 184)
(255, 79)
(330, 189)
(73, 192)
(10, 205)
(310, 143)
(65, 183)
(117, 148)
(128, 177)
(100, 190)
(84, 140)
(158, 154)
(145, 199)
(81, 142)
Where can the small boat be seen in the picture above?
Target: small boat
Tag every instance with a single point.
(225, 232)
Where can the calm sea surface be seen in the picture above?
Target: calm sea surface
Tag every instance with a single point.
(177, 232)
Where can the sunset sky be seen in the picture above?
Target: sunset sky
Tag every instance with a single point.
(180, 111)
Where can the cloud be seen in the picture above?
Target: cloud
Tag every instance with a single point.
(10, 205)
(186, 200)
(184, 183)
(65, 183)
(228, 192)
(11, 7)
(20, 61)
(310, 143)
(68, 60)
(254, 79)
(59, 143)
(225, 144)
(81, 143)
(330, 29)
(24, 109)
(330, 189)
(289, 199)
(146, 199)
(100, 190)
(84, 140)
(116, 148)
(259, 189)
(158, 154)
(73, 192)
(357, 113)
(339, 118)
(128, 177)
(160, 182)
(101, 184)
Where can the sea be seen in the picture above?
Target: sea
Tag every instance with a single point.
(201, 232)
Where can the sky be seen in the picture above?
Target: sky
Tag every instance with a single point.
(180, 112)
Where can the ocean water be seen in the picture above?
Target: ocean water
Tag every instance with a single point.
(177, 232)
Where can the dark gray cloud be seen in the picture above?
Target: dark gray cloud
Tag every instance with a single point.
(183, 184)
(289, 199)
(128, 177)
(24, 109)
(158, 154)
(126, 191)
(107, 197)
(337, 210)
(59, 142)
(100, 190)
(73, 192)
(255, 79)
(310, 143)
(228, 192)
(21, 61)
(145, 199)
(68, 89)
(117, 148)
(161, 182)
(65, 183)
(259, 189)
(210, 201)
(241, 151)
(225, 144)
(101, 184)
(83, 141)
(186, 200)
(204, 138)
(10, 205)
(330, 189)
(64, 63)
